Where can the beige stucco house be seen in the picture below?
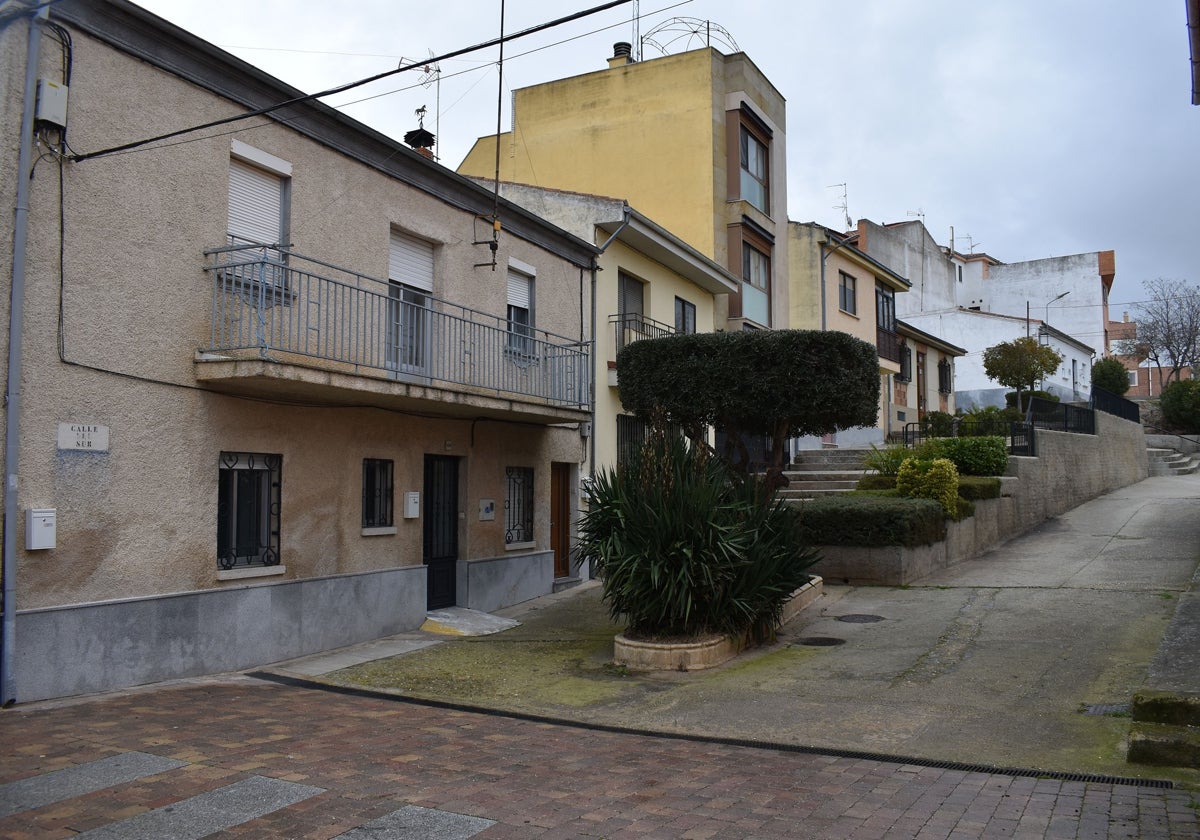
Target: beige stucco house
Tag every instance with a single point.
(270, 395)
(650, 284)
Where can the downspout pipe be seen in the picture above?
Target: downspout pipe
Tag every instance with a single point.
(16, 318)
(626, 215)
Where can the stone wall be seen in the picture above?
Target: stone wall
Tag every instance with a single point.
(1069, 470)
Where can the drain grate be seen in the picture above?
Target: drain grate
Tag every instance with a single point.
(1116, 709)
(820, 641)
(859, 618)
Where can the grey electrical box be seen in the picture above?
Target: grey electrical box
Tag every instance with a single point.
(51, 103)
(40, 528)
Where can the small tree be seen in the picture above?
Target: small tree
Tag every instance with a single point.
(775, 383)
(1111, 375)
(1019, 364)
(1168, 326)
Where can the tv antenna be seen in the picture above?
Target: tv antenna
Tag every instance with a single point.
(844, 206)
(431, 74)
(918, 213)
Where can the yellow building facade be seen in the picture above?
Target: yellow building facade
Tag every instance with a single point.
(696, 141)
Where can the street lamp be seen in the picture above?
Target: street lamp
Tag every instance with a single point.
(1047, 307)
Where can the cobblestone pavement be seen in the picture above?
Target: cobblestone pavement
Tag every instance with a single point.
(238, 757)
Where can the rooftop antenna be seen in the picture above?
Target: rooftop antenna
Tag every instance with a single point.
(432, 75)
(494, 242)
(637, 40)
(918, 213)
(970, 243)
(844, 206)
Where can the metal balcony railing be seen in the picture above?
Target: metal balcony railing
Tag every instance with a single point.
(631, 326)
(280, 303)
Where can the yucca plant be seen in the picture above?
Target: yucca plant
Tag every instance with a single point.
(685, 547)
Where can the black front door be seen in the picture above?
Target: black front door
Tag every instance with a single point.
(441, 529)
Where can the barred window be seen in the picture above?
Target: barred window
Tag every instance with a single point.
(518, 505)
(377, 493)
(248, 502)
(905, 374)
(945, 377)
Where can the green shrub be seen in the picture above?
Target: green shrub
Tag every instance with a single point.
(963, 509)
(1180, 406)
(940, 423)
(1011, 397)
(685, 547)
(1110, 375)
(976, 487)
(988, 420)
(871, 520)
(935, 479)
(971, 455)
(886, 461)
(877, 482)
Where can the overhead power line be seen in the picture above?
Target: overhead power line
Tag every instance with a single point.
(351, 85)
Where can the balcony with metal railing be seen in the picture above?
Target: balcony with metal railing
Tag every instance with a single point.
(294, 327)
(632, 326)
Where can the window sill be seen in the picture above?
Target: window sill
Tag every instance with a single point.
(251, 572)
(382, 531)
(520, 546)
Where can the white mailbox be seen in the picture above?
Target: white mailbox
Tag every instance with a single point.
(412, 504)
(40, 528)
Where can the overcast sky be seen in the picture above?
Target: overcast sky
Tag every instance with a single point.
(1035, 128)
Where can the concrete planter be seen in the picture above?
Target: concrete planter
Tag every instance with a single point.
(705, 651)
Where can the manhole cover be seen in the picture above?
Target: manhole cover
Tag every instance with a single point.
(859, 618)
(820, 641)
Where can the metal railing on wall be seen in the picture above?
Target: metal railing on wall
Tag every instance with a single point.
(1061, 417)
(1019, 436)
(1116, 405)
(282, 303)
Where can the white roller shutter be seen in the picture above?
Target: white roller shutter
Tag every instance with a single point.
(255, 204)
(410, 261)
(520, 290)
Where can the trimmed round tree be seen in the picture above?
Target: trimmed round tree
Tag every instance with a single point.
(774, 383)
(1019, 364)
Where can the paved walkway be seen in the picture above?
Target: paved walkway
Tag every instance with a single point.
(243, 758)
(987, 663)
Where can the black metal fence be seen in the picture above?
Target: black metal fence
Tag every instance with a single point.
(1061, 417)
(1019, 436)
(1118, 406)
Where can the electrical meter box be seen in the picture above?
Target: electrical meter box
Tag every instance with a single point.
(40, 528)
(51, 103)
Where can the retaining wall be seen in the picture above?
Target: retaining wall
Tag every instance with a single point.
(1069, 470)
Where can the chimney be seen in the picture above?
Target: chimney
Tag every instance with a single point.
(1125, 317)
(622, 54)
(421, 141)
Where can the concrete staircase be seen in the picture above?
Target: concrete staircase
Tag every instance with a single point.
(1171, 462)
(823, 472)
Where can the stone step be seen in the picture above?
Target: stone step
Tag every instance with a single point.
(823, 475)
(801, 496)
(802, 488)
(1167, 462)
